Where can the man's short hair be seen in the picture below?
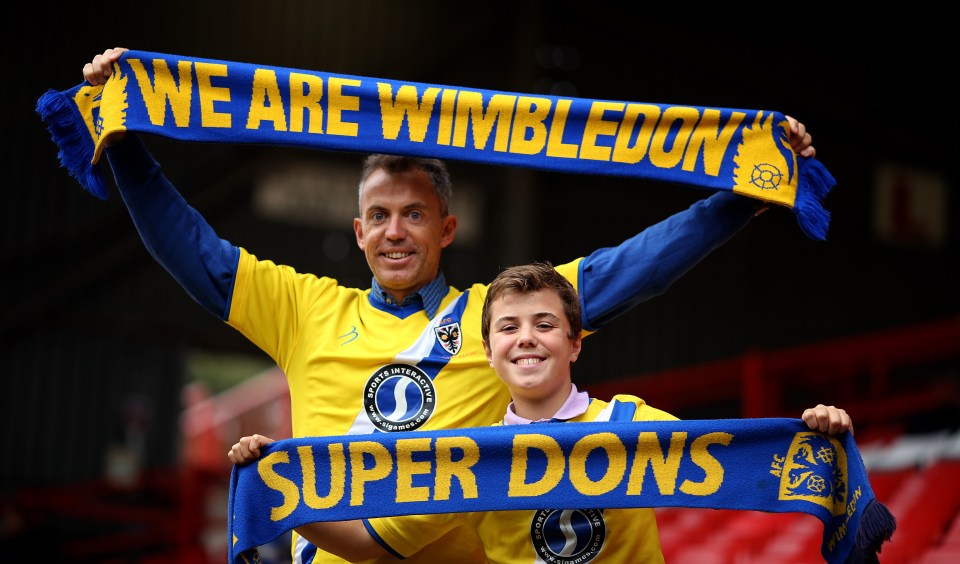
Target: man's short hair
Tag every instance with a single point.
(434, 168)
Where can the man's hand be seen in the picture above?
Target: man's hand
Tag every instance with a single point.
(99, 70)
(800, 140)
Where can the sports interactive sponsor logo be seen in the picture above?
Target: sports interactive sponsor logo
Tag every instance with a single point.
(399, 397)
(568, 536)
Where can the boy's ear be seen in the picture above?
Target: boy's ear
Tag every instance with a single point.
(575, 349)
(489, 353)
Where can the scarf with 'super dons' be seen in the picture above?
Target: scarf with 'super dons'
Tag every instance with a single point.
(193, 99)
(772, 465)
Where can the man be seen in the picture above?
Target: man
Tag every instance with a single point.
(531, 336)
(405, 354)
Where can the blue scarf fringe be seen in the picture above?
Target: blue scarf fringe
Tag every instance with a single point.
(815, 183)
(76, 149)
(876, 527)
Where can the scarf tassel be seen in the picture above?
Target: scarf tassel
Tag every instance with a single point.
(876, 527)
(815, 183)
(68, 131)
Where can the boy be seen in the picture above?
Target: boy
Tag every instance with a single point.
(531, 327)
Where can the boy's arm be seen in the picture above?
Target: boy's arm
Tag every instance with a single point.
(349, 540)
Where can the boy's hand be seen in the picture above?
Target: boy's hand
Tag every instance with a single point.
(248, 449)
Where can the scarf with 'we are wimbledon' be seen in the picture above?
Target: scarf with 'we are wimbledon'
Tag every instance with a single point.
(205, 100)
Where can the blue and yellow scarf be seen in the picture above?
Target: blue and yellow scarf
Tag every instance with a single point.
(193, 99)
(772, 465)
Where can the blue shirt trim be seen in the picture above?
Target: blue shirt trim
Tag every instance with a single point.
(622, 411)
(380, 541)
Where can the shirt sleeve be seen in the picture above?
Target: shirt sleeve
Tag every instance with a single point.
(615, 279)
(174, 233)
(405, 535)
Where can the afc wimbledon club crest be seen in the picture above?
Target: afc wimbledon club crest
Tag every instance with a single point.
(399, 397)
(449, 337)
(761, 161)
(814, 470)
(567, 536)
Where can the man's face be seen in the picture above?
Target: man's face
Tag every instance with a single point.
(400, 230)
(530, 348)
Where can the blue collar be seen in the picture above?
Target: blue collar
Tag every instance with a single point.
(430, 296)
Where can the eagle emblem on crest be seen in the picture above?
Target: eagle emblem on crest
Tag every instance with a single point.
(449, 337)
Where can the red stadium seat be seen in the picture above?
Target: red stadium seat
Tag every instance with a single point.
(941, 555)
(925, 505)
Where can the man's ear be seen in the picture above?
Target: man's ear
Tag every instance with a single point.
(358, 231)
(448, 230)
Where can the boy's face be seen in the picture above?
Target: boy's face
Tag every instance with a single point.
(529, 346)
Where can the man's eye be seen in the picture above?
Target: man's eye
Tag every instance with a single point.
(378, 216)
(416, 215)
